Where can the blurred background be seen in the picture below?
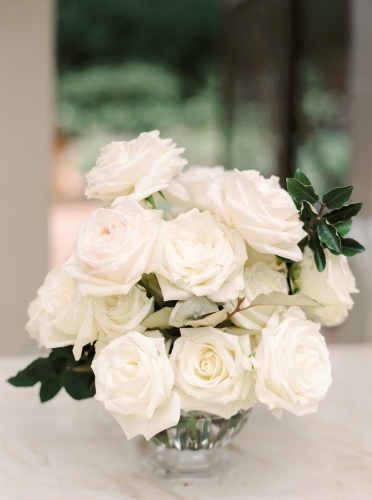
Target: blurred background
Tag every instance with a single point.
(272, 85)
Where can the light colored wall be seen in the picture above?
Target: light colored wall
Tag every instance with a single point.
(26, 82)
(359, 325)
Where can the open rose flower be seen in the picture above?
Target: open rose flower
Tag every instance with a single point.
(137, 168)
(61, 315)
(134, 380)
(201, 257)
(213, 371)
(115, 247)
(189, 188)
(293, 367)
(331, 287)
(116, 315)
(263, 213)
(259, 278)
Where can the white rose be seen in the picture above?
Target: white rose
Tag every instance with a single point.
(115, 247)
(260, 278)
(213, 371)
(189, 188)
(117, 315)
(331, 288)
(137, 168)
(134, 380)
(269, 259)
(61, 315)
(260, 210)
(201, 257)
(294, 371)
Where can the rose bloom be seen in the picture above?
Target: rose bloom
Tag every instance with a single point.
(115, 247)
(202, 257)
(260, 210)
(61, 315)
(331, 287)
(213, 371)
(259, 278)
(134, 380)
(293, 367)
(189, 188)
(137, 168)
(116, 315)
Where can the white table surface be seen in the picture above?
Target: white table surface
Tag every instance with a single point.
(67, 450)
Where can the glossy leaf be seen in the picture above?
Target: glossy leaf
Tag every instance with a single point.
(337, 197)
(300, 176)
(344, 213)
(319, 255)
(300, 192)
(351, 247)
(343, 227)
(328, 235)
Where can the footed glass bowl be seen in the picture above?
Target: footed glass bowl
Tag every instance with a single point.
(192, 448)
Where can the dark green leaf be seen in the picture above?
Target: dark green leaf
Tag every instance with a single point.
(50, 388)
(336, 197)
(64, 352)
(351, 247)
(343, 227)
(316, 247)
(300, 176)
(328, 235)
(21, 380)
(300, 192)
(33, 373)
(79, 385)
(308, 211)
(344, 213)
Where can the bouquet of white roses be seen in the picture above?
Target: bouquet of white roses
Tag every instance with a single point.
(214, 307)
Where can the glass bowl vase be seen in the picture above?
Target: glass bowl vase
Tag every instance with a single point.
(193, 447)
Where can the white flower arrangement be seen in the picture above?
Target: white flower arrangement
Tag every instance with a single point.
(212, 310)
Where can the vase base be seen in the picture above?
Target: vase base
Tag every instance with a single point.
(204, 465)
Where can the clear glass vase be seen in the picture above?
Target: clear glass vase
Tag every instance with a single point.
(193, 447)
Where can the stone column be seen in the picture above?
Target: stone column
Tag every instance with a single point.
(26, 83)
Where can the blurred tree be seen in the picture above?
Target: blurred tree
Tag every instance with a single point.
(178, 34)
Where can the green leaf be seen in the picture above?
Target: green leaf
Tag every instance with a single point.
(316, 247)
(50, 387)
(308, 211)
(162, 195)
(308, 215)
(64, 352)
(34, 372)
(283, 299)
(300, 176)
(343, 227)
(151, 284)
(351, 247)
(300, 192)
(151, 200)
(328, 235)
(344, 213)
(336, 197)
(79, 385)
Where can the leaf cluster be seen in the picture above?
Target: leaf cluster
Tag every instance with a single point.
(60, 369)
(327, 221)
